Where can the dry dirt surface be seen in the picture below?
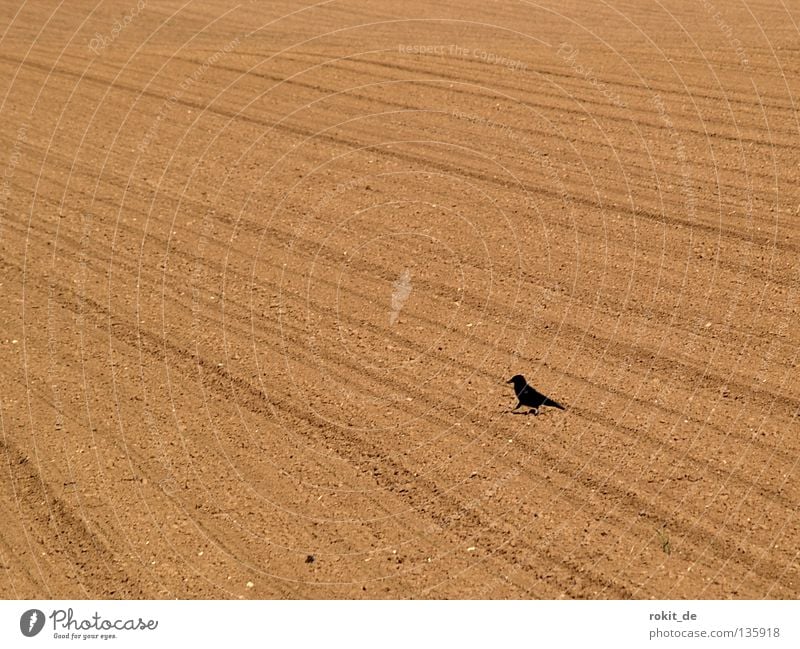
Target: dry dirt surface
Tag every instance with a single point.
(267, 266)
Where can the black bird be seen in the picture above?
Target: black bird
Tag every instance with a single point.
(529, 396)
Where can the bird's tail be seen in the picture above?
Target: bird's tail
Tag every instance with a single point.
(554, 404)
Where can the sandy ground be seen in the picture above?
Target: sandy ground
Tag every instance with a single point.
(267, 266)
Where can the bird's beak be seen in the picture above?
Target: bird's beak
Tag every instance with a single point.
(510, 381)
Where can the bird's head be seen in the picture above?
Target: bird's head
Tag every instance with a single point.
(517, 379)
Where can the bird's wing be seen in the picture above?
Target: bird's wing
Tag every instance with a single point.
(531, 393)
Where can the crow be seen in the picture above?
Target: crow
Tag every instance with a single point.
(528, 396)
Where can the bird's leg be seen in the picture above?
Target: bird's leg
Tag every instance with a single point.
(534, 412)
(513, 411)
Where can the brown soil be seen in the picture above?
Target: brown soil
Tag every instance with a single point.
(266, 270)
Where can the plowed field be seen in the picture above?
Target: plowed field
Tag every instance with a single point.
(266, 268)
